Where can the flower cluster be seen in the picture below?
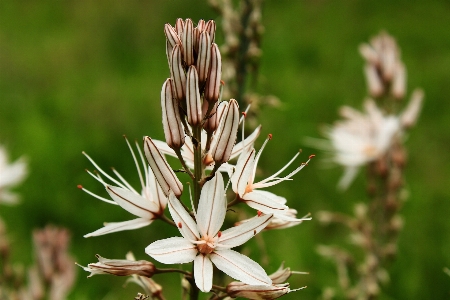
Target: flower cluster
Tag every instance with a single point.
(201, 131)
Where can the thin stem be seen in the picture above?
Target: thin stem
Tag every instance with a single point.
(167, 220)
(183, 163)
(198, 164)
(173, 270)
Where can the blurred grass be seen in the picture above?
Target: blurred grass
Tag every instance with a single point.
(77, 75)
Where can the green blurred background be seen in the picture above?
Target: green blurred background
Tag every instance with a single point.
(77, 75)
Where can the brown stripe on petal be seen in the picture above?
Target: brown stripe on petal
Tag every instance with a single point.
(179, 26)
(211, 29)
(228, 132)
(212, 89)
(161, 169)
(173, 130)
(132, 203)
(171, 35)
(188, 42)
(177, 73)
(204, 56)
(193, 100)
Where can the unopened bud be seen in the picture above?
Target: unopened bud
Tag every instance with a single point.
(239, 289)
(204, 56)
(369, 54)
(177, 73)
(173, 130)
(171, 35)
(163, 173)
(227, 133)
(179, 26)
(120, 267)
(374, 84)
(187, 39)
(211, 123)
(193, 101)
(212, 89)
(210, 27)
(399, 81)
(409, 116)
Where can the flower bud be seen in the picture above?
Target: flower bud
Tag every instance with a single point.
(204, 56)
(409, 116)
(171, 35)
(212, 89)
(399, 81)
(163, 173)
(210, 27)
(177, 74)
(256, 292)
(120, 267)
(187, 39)
(211, 122)
(226, 133)
(373, 80)
(193, 101)
(169, 50)
(179, 26)
(173, 130)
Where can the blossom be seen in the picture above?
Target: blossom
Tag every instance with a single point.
(244, 185)
(359, 139)
(11, 174)
(120, 267)
(204, 244)
(147, 205)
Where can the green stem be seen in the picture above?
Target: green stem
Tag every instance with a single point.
(198, 164)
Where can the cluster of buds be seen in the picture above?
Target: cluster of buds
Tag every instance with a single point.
(384, 70)
(201, 131)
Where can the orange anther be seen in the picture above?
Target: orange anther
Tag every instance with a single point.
(312, 155)
(244, 114)
(80, 186)
(270, 136)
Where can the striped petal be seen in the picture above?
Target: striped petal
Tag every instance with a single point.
(120, 226)
(244, 169)
(133, 203)
(240, 267)
(203, 272)
(238, 235)
(175, 250)
(183, 220)
(212, 206)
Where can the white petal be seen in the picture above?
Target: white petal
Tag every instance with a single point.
(175, 250)
(265, 202)
(203, 272)
(240, 267)
(13, 173)
(183, 220)
(120, 226)
(243, 171)
(133, 203)
(238, 235)
(248, 142)
(212, 206)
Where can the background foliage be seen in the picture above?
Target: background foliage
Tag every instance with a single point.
(77, 75)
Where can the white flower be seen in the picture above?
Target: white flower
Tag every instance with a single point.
(359, 139)
(148, 204)
(244, 185)
(10, 175)
(204, 244)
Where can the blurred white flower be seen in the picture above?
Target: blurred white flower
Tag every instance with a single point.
(204, 244)
(360, 138)
(11, 174)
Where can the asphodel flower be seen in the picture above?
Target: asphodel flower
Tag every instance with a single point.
(244, 185)
(147, 205)
(359, 139)
(204, 243)
(120, 267)
(11, 174)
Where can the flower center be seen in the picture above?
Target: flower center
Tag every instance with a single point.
(206, 245)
